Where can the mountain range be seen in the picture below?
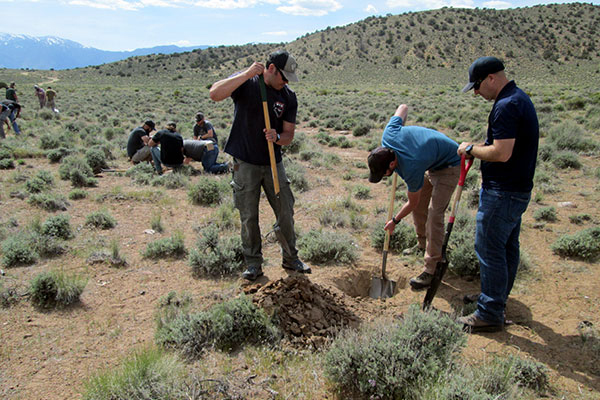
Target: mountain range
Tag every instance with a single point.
(51, 52)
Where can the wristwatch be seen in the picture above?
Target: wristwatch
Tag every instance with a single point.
(278, 138)
(468, 149)
(396, 222)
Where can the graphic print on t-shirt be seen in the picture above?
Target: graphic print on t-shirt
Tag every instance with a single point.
(278, 107)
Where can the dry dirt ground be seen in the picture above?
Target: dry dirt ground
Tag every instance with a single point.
(48, 355)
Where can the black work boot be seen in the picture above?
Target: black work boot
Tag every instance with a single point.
(252, 272)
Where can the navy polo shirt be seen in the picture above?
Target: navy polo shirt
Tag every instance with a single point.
(513, 116)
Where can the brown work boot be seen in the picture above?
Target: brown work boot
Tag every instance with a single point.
(472, 324)
(422, 281)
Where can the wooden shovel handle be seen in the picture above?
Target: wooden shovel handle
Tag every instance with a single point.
(263, 95)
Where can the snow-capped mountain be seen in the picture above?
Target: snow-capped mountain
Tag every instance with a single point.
(51, 52)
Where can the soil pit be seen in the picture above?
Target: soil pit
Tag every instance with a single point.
(308, 314)
(357, 283)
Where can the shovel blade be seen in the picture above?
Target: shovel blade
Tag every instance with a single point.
(382, 288)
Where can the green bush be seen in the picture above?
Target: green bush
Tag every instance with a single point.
(8, 296)
(141, 173)
(49, 141)
(148, 374)
(297, 144)
(590, 341)
(580, 218)
(205, 192)
(77, 194)
(96, 159)
(100, 220)
(5, 153)
(404, 236)
(171, 247)
(327, 247)
(226, 327)
(394, 360)
(568, 135)
(58, 226)
(215, 256)
(297, 175)
(56, 155)
(361, 192)
(566, 159)
(55, 289)
(156, 223)
(49, 201)
(7, 163)
(583, 245)
(42, 181)
(546, 151)
(175, 180)
(77, 170)
(545, 214)
(362, 129)
(17, 250)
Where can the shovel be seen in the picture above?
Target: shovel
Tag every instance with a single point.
(276, 228)
(382, 288)
(442, 265)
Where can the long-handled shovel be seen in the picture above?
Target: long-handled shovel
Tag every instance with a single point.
(276, 228)
(442, 265)
(383, 287)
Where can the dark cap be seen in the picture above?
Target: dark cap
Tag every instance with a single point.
(481, 68)
(199, 117)
(150, 124)
(379, 162)
(285, 63)
(172, 124)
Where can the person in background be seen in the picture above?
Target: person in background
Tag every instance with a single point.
(170, 153)
(251, 162)
(204, 130)
(427, 161)
(41, 95)
(11, 93)
(205, 151)
(14, 110)
(50, 96)
(508, 158)
(137, 144)
(4, 112)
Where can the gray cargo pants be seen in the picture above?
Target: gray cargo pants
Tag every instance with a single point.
(247, 182)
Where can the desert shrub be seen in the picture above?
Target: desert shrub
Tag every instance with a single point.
(590, 341)
(7, 163)
(170, 307)
(297, 143)
(77, 194)
(58, 226)
(461, 247)
(47, 246)
(101, 220)
(175, 180)
(55, 289)
(141, 173)
(579, 219)
(394, 360)
(148, 374)
(8, 296)
(50, 141)
(5, 153)
(327, 247)
(500, 377)
(297, 175)
(49, 201)
(404, 236)
(43, 180)
(56, 155)
(546, 151)
(17, 250)
(583, 245)
(77, 170)
(568, 135)
(226, 216)
(215, 256)
(96, 159)
(171, 247)
(545, 214)
(566, 159)
(226, 326)
(156, 223)
(362, 129)
(205, 192)
(361, 192)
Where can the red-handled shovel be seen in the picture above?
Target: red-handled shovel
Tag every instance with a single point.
(442, 265)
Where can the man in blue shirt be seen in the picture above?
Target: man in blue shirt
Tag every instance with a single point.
(427, 161)
(508, 159)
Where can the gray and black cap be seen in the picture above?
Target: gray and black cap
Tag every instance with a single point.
(481, 68)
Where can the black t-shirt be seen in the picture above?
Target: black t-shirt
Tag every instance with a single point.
(171, 144)
(135, 142)
(13, 105)
(200, 131)
(194, 149)
(247, 140)
(513, 116)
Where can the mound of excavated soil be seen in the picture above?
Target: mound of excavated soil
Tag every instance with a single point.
(307, 313)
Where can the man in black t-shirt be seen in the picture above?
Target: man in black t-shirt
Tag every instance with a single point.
(137, 144)
(10, 111)
(204, 130)
(251, 164)
(170, 153)
(205, 151)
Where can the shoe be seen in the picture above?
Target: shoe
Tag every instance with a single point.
(470, 298)
(252, 273)
(416, 250)
(297, 266)
(472, 324)
(422, 281)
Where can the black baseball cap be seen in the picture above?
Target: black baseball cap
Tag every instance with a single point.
(150, 124)
(379, 162)
(285, 63)
(481, 68)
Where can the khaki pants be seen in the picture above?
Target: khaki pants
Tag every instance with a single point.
(142, 154)
(428, 218)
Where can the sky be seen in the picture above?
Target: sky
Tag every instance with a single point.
(129, 24)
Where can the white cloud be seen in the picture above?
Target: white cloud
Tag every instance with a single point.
(497, 4)
(371, 9)
(276, 33)
(108, 4)
(310, 8)
(232, 4)
(429, 4)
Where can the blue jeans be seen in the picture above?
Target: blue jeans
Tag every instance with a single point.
(13, 119)
(209, 162)
(497, 248)
(157, 163)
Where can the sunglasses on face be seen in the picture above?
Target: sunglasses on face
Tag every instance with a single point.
(282, 75)
(478, 83)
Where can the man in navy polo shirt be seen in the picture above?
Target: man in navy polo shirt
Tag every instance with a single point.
(508, 159)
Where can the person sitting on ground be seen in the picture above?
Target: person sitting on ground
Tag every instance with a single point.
(204, 129)
(50, 96)
(41, 95)
(170, 153)
(205, 151)
(427, 161)
(137, 144)
(14, 110)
